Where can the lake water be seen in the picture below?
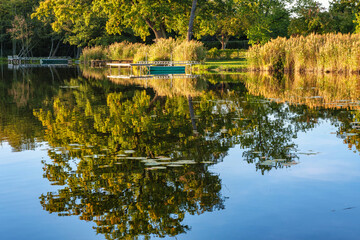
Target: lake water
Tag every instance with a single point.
(214, 157)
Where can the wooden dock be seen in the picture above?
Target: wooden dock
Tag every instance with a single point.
(147, 77)
(16, 60)
(153, 63)
(151, 69)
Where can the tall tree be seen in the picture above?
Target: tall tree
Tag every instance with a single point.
(191, 21)
(223, 22)
(74, 19)
(144, 17)
(309, 17)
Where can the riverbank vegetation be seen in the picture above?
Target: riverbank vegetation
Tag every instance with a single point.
(161, 50)
(64, 28)
(338, 53)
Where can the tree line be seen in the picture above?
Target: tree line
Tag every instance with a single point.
(52, 27)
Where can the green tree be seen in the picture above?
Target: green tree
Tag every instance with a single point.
(223, 22)
(75, 20)
(264, 20)
(342, 16)
(310, 17)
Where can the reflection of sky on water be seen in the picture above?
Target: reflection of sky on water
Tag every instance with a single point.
(21, 215)
(305, 201)
(315, 199)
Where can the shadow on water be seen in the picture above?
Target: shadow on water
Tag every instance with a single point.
(134, 156)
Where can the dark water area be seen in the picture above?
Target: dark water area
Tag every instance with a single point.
(236, 156)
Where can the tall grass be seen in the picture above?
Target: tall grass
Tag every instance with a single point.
(123, 50)
(163, 49)
(93, 53)
(314, 53)
(189, 51)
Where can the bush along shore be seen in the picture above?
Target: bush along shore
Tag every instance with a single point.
(161, 50)
(337, 53)
(229, 60)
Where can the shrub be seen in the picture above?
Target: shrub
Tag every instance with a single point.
(142, 53)
(189, 51)
(93, 53)
(123, 50)
(162, 50)
(213, 53)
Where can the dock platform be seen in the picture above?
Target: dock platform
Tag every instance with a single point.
(147, 77)
(153, 63)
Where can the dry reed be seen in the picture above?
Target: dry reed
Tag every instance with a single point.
(162, 49)
(314, 53)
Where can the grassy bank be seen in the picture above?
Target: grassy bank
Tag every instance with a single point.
(314, 53)
(229, 65)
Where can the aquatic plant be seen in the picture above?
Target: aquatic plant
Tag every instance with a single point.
(189, 51)
(93, 53)
(123, 50)
(314, 53)
(161, 50)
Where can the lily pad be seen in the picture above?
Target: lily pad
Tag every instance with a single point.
(267, 163)
(156, 168)
(152, 164)
(136, 158)
(288, 164)
(309, 153)
(163, 158)
(128, 151)
(185, 162)
(279, 160)
(74, 145)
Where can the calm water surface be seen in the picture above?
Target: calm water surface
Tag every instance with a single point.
(214, 157)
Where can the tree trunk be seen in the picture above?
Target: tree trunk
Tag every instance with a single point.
(78, 52)
(14, 47)
(1, 51)
(223, 40)
(159, 33)
(56, 49)
(191, 21)
(52, 47)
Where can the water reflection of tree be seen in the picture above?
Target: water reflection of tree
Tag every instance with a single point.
(330, 97)
(20, 92)
(126, 201)
(91, 127)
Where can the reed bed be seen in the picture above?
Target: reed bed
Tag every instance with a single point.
(163, 49)
(331, 52)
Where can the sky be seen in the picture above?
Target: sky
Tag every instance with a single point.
(325, 3)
